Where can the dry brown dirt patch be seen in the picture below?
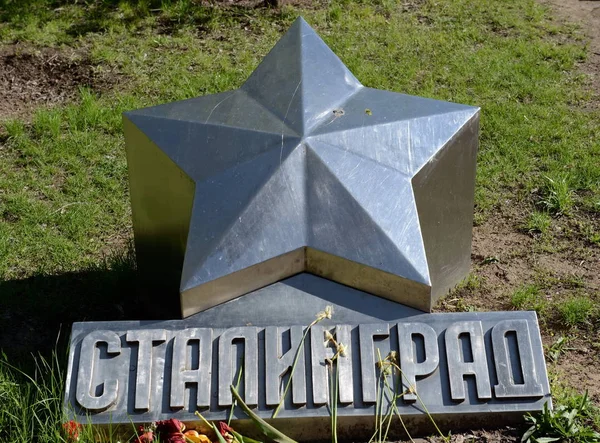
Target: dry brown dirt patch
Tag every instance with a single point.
(585, 13)
(505, 257)
(30, 78)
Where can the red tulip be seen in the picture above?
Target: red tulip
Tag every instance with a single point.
(145, 437)
(71, 429)
(171, 426)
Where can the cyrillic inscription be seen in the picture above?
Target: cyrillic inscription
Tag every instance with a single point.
(130, 371)
(88, 366)
(522, 361)
(368, 357)
(466, 356)
(280, 363)
(182, 372)
(227, 364)
(411, 368)
(320, 351)
(145, 339)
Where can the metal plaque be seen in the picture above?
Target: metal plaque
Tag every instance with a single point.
(462, 368)
(302, 169)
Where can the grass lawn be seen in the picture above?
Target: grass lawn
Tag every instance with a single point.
(65, 224)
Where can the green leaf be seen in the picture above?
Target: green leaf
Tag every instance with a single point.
(527, 434)
(268, 430)
(213, 427)
(243, 439)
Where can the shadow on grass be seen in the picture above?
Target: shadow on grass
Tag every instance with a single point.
(101, 15)
(36, 313)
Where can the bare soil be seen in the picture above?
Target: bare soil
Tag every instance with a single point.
(32, 78)
(571, 267)
(586, 13)
(505, 256)
(502, 435)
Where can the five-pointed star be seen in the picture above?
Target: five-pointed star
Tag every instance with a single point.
(301, 169)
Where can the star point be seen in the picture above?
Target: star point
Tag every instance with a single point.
(303, 169)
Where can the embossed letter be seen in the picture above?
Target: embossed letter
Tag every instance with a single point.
(320, 350)
(87, 366)
(145, 339)
(408, 362)
(458, 367)
(368, 360)
(503, 357)
(182, 372)
(227, 364)
(277, 364)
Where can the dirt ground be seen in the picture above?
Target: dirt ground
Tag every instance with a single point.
(504, 255)
(577, 367)
(32, 78)
(582, 260)
(587, 14)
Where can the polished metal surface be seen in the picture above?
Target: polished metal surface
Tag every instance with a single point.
(462, 367)
(303, 169)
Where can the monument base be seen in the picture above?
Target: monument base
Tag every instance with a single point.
(458, 370)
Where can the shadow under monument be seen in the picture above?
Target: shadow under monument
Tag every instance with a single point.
(36, 313)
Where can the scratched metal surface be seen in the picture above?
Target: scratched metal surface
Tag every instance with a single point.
(303, 169)
(364, 322)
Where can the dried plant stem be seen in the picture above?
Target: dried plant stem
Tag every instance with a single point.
(382, 376)
(293, 369)
(389, 415)
(414, 391)
(378, 404)
(402, 423)
(388, 393)
(395, 409)
(333, 397)
(320, 316)
(334, 379)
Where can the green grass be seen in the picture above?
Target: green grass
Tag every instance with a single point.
(558, 195)
(65, 189)
(568, 422)
(31, 405)
(538, 223)
(529, 298)
(575, 417)
(572, 311)
(472, 282)
(576, 311)
(64, 174)
(65, 224)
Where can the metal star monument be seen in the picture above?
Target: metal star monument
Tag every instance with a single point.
(303, 169)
